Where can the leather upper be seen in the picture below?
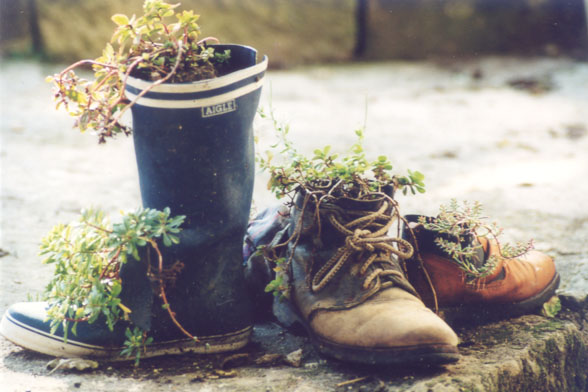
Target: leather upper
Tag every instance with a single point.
(384, 313)
(512, 280)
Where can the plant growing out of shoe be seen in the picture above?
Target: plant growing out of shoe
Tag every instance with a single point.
(459, 227)
(336, 269)
(326, 173)
(462, 269)
(325, 176)
(88, 256)
(161, 45)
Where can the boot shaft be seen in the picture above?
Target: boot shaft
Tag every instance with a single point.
(194, 144)
(335, 262)
(194, 150)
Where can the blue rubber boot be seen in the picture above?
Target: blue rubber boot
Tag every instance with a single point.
(194, 150)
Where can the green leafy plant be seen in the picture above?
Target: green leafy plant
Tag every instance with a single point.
(160, 46)
(552, 307)
(136, 343)
(459, 225)
(328, 173)
(278, 286)
(88, 255)
(322, 177)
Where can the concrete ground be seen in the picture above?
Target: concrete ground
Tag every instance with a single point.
(511, 133)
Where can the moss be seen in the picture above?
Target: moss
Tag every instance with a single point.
(550, 325)
(494, 334)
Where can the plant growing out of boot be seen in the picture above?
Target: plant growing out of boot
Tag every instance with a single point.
(161, 46)
(337, 271)
(326, 174)
(87, 285)
(460, 227)
(193, 144)
(461, 267)
(83, 313)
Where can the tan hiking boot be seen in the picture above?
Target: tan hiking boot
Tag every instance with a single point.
(347, 289)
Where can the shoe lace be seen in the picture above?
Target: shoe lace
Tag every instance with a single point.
(366, 234)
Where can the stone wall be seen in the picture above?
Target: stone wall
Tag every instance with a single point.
(420, 28)
(290, 32)
(316, 31)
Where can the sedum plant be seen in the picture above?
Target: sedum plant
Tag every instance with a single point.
(161, 45)
(458, 226)
(321, 177)
(326, 172)
(88, 255)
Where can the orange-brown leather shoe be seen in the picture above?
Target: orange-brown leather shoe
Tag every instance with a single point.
(514, 286)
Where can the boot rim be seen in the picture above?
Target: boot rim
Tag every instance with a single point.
(203, 85)
(200, 94)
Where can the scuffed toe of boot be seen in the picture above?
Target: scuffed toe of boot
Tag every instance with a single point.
(394, 327)
(348, 290)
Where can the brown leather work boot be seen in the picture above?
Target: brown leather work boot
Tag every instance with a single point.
(514, 286)
(346, 287)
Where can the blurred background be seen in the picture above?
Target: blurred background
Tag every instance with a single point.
(295, 32)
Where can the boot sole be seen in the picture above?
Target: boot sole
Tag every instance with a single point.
(40, 341)
(430, 355)
(480, 313)
(425, 355)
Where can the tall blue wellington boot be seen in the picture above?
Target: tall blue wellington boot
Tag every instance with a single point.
(194, 150)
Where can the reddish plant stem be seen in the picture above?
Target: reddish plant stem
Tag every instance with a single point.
(82, 62)
(142, 93)
(98, 227)
(203, 40)
(112, 261)
(163, 295)
(78, 320)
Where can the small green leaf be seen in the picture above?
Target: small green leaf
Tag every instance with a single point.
(120, 19)
(166, 240)
(552, 307)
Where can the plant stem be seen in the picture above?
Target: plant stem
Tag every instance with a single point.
(154, 84)
(172, 315)
(82, 62)
(112, 261)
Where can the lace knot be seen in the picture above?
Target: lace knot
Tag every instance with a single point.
(374, 245)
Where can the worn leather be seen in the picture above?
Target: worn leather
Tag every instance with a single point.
(385, 314)
(511, 280)
(392, 318)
